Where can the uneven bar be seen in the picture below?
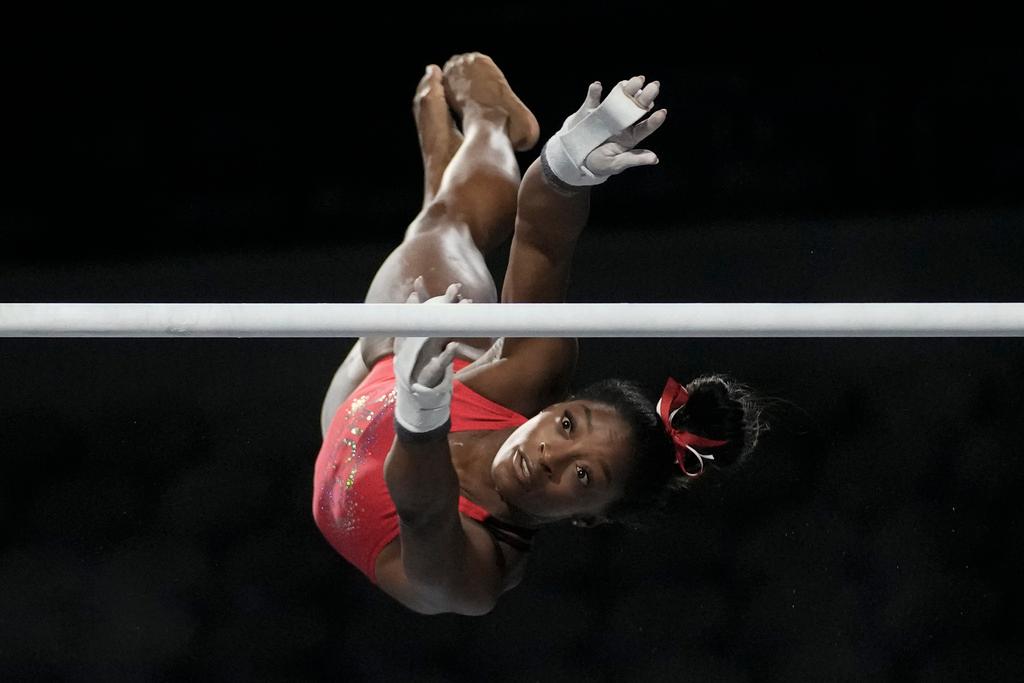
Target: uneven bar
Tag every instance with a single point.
(513, 320)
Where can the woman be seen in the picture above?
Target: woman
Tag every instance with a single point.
(435, 471)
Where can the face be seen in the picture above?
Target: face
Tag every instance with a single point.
(570, 461)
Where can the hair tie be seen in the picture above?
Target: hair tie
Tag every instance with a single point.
(673, 398)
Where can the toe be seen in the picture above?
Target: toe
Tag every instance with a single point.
(430, 84)
(433, 76)
(452, 62)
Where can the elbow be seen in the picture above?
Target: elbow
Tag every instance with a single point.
(475, 609)
(444, 597)
(480, 609)
(475, 606)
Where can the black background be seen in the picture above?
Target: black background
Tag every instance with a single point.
(155, 494)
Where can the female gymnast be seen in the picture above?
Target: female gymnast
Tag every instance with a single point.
(441, 458)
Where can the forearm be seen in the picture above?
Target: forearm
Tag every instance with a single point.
(596, 142)
(548, 224)
(425, 489)
(422, 481)
(438, 565)
(551, 215)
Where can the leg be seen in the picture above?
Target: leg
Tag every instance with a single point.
(473, 211)
(350, 373)
(439, 137)
(470, 188)
(480, 180)
(439, 140)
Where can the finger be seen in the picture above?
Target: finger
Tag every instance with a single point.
(634, 135)
(412, 298)
(593, 95)
(638, 133)
(420, 287)
(465, 301)
(494, 353)
(433, 371)
(427, 351)
(425, 370)
(469, 352)
(634, 157)
(645, 98)
(633, 85)
(452, 293)
(448, 355)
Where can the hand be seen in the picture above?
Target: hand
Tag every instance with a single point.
(423, 371)
(432, 355)
(479, 357)
(618, 153)
(600, 139)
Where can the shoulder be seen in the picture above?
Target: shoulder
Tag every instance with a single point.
(530, 374)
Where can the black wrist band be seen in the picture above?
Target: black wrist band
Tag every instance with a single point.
(554, 181)
(436, 434)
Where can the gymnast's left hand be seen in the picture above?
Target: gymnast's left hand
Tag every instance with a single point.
(423, 370)
(434, 355)
(619, 152)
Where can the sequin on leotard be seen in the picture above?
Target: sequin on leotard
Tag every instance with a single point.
(351, 503)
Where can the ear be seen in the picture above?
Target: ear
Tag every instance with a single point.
(590, 522)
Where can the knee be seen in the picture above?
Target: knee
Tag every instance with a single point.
(439, 209)
(439, 214)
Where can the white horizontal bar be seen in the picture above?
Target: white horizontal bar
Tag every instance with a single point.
(514, 320)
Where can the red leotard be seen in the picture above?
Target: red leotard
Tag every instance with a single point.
(351, 504)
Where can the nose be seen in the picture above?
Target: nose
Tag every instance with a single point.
(543, 459)
(554, 459)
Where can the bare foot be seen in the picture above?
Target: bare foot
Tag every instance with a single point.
(474, 79)
(439, 137)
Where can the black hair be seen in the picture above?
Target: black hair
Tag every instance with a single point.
(718, 408)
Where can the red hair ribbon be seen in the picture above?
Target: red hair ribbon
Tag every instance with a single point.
(674, 397)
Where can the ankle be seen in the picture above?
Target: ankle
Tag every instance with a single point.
(474, 113)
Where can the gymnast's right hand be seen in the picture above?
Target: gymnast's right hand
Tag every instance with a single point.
(423, 376)
(618, 153)
(600, 139)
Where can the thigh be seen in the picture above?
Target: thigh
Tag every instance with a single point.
(349, 375)
(442, 252)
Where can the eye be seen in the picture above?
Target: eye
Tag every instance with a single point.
(567, 422)
(583, 475)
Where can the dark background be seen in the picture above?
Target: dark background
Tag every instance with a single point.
(155, 494)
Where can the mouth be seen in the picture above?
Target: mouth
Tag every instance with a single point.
(522, 467)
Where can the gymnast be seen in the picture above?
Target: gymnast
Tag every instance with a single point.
(443, 457)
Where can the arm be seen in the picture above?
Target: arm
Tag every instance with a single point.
(554, 204)
(444, 566)
(534, 372)
(549, 221)
(595, 143)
